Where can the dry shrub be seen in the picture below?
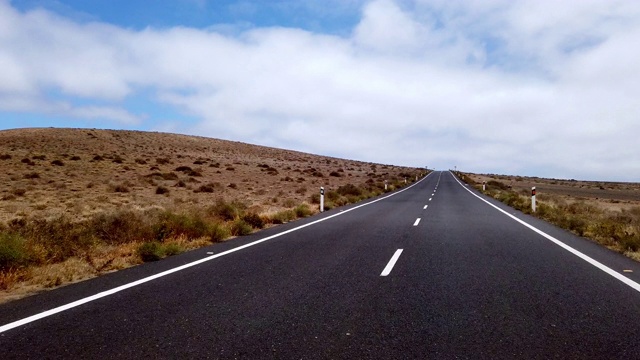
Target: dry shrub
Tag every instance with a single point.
(12, 276)
(13, 251)
(122, 227)
(240, 228)
(191, 226)
(254, 220)
(227, 211)
(53, 240)
(289, 203)
(282, 217)
(184, 169)
(161, 190)
(150, 251)
(207, 188)
(349, 189)
(302, 211)
(162, 176)
(120, 188)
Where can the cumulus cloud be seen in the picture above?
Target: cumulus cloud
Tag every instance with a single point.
(532, 87)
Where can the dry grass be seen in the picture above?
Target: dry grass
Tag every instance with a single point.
(100, 199)
(608, 213)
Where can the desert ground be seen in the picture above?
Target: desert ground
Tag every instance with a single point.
(614, 196)
(82, 172)
(77, 203)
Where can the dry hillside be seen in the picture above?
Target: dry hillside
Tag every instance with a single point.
(81, 172)
(75, 203)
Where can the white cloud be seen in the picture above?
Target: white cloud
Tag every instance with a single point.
(532, 87)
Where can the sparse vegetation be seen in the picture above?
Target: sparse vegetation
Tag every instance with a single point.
(150, 251)
(13, 251)
(184, 169)
(618, 230)
(99, 212)
(302, 211)
(207, 188)
(254, 220)
(19, 192)
(120, 188)
(240, 228)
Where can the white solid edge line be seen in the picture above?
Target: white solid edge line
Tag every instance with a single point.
(634, 285)
(106, 293)
(417, 222)
(392, 263)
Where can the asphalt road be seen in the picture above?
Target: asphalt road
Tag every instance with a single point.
(465, 281)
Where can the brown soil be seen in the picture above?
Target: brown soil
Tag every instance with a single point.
(81, 172)
(609, 195)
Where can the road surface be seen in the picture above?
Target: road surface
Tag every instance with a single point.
(433, 271)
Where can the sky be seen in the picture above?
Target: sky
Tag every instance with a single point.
(525, 87)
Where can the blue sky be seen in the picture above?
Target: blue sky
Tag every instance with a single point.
(319, 15)
(541, 88)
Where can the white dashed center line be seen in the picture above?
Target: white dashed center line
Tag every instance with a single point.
(392, 263)
(425, 207)
(417, 222)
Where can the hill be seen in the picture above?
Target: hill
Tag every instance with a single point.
(78, 172)
(75, 203)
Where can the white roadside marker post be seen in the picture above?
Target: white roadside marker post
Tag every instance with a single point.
(484, 186)
(533, 199)
(385, 184)
(405, 179)
(322, 199)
